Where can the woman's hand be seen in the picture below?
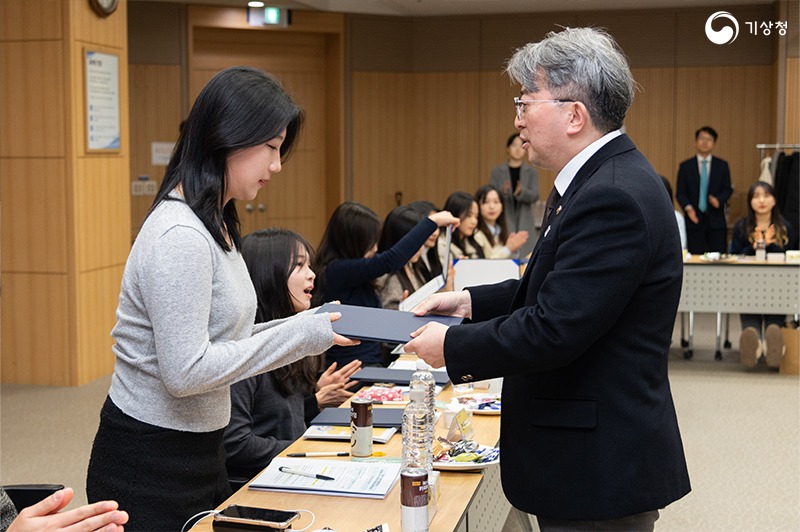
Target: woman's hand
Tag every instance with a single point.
(443, 218)
(515, 240)
(769, 235)
(333, 394)
(338, 339)
(332, 376)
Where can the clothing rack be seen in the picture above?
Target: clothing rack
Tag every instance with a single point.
(763, 147)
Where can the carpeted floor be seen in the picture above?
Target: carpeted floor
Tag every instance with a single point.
(741, 432)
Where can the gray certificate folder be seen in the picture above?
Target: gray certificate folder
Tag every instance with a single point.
(381, 417)
(380, 324)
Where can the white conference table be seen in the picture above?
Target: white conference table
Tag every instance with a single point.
(738, 285)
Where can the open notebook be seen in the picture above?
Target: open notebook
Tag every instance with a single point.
(348, 479)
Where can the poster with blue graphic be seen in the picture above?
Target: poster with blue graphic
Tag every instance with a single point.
(102, 101)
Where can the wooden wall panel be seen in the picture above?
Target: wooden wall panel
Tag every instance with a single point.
(155, 102)
(34, 235)
(97, 294)
(423, 141)
(651, 119)
(101, 212)
(737, 101)
(32, 109)
(36, 329)
(69, 211)
(23, 21)
(87, 27)
(791, 134)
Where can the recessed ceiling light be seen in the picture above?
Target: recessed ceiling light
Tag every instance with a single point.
(255, 4)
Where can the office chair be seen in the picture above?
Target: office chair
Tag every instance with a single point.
(24, 495)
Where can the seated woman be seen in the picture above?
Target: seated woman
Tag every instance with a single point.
(428, 266)
(271, 410)
(763, 221)
(463, 244)
(348, 265)
(394, 287)
(492, 233)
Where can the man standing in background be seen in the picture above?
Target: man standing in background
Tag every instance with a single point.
(703, 189)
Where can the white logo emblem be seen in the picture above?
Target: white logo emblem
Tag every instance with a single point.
(726, 34)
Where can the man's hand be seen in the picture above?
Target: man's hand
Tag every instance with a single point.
(692, 215)
(428, 343)
(446, 304)
(713, 201)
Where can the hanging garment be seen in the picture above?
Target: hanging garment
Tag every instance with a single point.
(766, 171)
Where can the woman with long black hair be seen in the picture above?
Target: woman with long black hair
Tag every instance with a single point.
(185, 322)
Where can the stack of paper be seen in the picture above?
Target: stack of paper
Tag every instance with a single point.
(371, 480)
(329, 432)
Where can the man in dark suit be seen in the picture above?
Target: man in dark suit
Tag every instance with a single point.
(589, 435)
(702, 190)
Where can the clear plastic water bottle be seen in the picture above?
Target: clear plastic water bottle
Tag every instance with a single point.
(417, 436)
(761, 248)
(422, 378)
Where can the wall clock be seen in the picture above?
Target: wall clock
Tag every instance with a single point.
(104, 7)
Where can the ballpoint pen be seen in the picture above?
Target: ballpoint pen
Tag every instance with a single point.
(284, 469)
(319, 453)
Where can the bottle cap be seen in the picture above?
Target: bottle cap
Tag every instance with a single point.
(421, 364)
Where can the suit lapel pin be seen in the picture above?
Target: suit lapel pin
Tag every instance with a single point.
(546, 231)
(558, 210)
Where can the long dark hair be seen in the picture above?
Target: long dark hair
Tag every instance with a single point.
(781, 232)
(459, 204)
(271, 256)
(352, 231)
(239, 108)
(397, 224)
(480, 197)
(434, 268)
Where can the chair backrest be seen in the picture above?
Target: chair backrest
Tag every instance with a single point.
(24, 495)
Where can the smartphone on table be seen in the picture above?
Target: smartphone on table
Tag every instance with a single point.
(255, 517)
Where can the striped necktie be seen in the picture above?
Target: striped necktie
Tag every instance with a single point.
(552, 199)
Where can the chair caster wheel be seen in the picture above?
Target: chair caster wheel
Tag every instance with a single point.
(688, 354)
(727, 344)
(717, 356)
(684, 343)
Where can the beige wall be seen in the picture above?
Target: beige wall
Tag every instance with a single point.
(431, 109)
(65, 211)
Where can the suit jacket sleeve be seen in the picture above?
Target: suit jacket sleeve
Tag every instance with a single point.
(529, 192)
(726, 190)
(579, 300)
(682, 193)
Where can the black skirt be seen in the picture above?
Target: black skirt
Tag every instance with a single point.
(161, 477)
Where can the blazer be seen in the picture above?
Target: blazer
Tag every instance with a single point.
(588, 429)
(519, 213)
(687, 189)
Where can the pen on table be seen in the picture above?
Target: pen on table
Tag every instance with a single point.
(320, 453)
(284, 469)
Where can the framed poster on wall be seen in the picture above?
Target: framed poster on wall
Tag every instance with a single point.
(102, 101)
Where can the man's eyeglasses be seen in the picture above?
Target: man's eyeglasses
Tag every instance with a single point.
(520, 103)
